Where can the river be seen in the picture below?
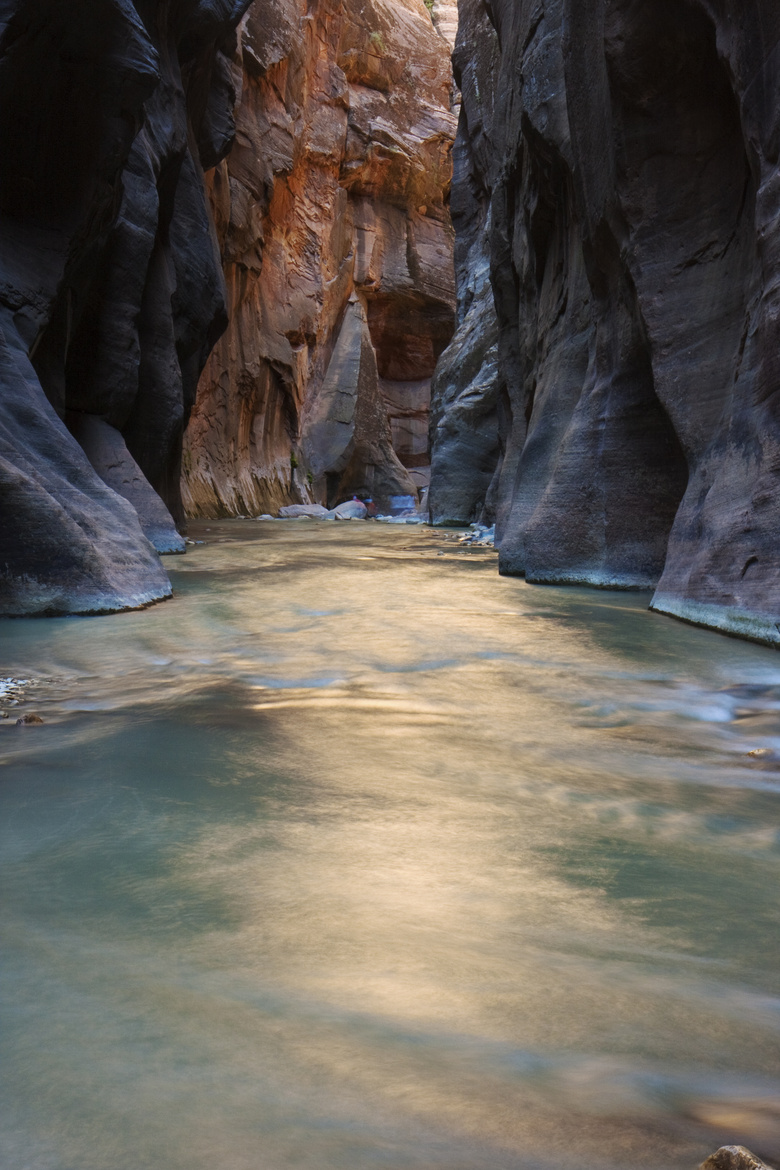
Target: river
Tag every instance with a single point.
(357, 855)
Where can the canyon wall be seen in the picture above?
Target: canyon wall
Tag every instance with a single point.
(336, 242)
(465, 393)
(111, 289)
(618, 165)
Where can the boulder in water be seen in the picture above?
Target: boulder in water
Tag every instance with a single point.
(292, 511)
(350, 510)
(733, 1158)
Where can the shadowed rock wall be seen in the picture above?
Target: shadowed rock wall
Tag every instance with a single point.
(620, 164)
(465, 393)
(337, 251)
(111, 291)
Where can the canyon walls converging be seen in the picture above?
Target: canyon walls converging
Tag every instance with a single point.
(337, 248)
(111, 289)
(618, 168)
(609, 395)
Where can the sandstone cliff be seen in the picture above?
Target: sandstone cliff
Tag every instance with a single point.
(622, 168)
(111, 291)
(337, 250)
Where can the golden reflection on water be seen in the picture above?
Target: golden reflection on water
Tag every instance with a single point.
(370, 857)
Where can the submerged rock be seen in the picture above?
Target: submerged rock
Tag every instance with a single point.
(29, 720)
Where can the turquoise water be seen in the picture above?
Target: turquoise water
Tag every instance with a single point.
(356, 855)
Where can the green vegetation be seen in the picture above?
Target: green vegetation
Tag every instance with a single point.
(377, 42)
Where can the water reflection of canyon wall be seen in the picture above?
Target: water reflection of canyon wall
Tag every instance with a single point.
(332, 216)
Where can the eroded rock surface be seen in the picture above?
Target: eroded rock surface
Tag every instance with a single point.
(621, 164)
(733, 1158)
(337, 249)
(111, 291)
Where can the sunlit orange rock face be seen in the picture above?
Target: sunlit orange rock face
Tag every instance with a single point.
(332, 216)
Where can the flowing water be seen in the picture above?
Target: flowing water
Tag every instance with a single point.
(356, 855)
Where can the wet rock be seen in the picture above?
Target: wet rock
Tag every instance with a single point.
(350, 510)
(291, 511)
(337, 250)
(480, 536)
(107, 452)
(408, 518)
(29, 720)
(111, 291)
(733, 1158)
(620, 164)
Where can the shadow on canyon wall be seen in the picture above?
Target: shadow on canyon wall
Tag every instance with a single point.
(616, 181)
(112, 292)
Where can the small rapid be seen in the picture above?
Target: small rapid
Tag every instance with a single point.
(357, 855)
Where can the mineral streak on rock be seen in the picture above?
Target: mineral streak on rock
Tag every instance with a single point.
(336, 241)
(111, 292)
(444, 14)
(619, 164)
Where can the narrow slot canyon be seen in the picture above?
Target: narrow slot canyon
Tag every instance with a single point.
(336, 240)
(390, 584)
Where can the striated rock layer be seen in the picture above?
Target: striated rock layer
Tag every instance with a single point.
(619, 163)
(337, 251)
(111, 291)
